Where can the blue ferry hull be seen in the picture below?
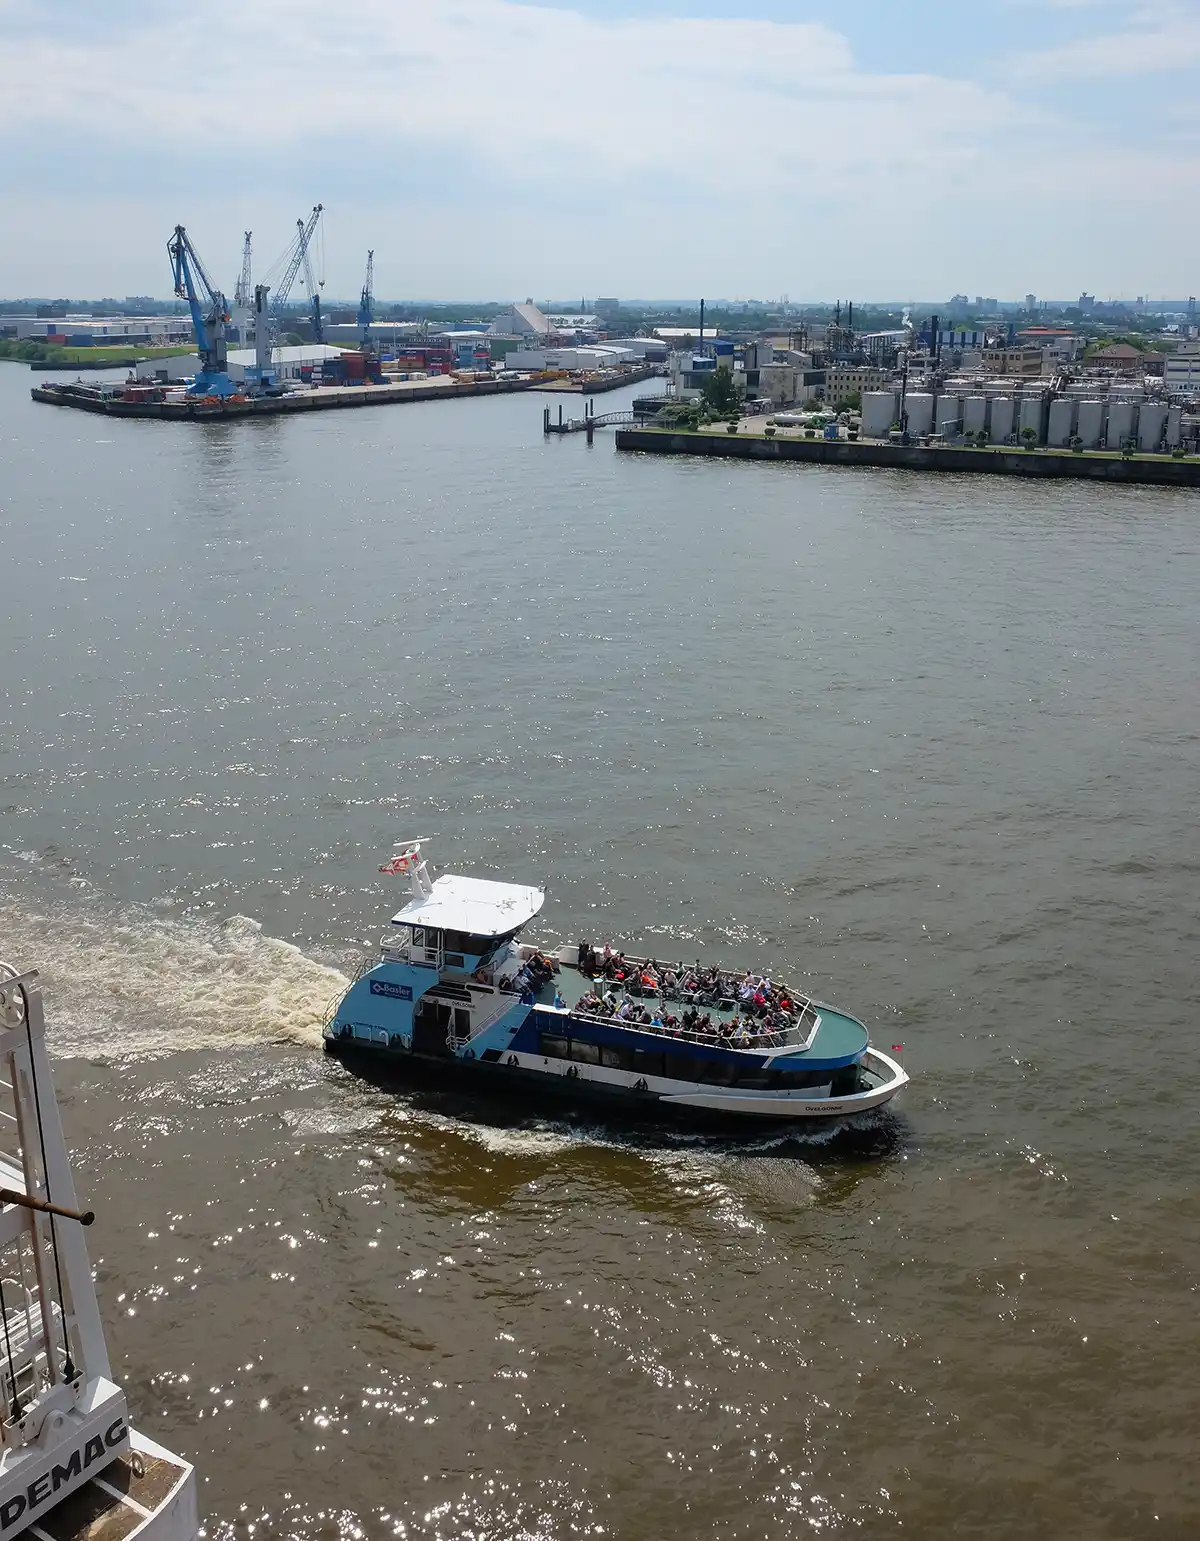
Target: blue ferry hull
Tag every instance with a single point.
(527, 1091)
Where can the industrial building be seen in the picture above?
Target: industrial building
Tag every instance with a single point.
(85, 331)
(1181, 372)
(521, 321)
(845, 380)
(295, 363)
(584, 360)
(388, 335)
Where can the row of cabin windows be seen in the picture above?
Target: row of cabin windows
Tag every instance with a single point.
(462, 942)
(681, 1067)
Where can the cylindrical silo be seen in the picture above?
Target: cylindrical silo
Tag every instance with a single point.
(974, 414)
(919, 407)
(1120, 423)
(879, 413)
(1174, 427)
(1090, 423)
(1152, 425)
(1002, 418)
(1062, 419)
(947, 416)
(1032, 416)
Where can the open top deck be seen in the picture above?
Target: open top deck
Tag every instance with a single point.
(817, 1031)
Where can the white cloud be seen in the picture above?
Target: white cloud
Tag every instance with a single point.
(520, 87)
(1155, 39)
(493, 147)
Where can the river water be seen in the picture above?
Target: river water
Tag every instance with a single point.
(928, 745)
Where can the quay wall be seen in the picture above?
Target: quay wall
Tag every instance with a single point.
(327, 398)
(1158, 470)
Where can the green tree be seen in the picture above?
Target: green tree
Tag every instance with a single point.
(719, 393)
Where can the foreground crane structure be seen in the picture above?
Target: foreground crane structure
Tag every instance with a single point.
(210, 317)
(294, 259)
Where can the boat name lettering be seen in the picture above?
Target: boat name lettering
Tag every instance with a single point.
(397, 992)
(22, 1505)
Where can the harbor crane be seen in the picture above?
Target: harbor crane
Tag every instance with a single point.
(210, 317)
(295, 258)
(243, 294)
(366, 304)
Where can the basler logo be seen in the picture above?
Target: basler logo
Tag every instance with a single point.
(17, 1512)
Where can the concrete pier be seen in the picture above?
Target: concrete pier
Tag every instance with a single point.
(1153, 469)
(324, 399)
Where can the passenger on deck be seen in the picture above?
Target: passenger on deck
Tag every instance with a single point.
(560, 1001)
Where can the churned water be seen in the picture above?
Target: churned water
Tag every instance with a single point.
(927, 745)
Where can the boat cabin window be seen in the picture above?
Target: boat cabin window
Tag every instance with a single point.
(555, 1048)
(586, 1053)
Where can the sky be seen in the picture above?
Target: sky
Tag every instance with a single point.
(490, 149)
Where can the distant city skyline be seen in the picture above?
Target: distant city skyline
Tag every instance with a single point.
(486, 147)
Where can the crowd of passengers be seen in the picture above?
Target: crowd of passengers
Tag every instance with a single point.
(536, 971)
(752, 995)
(761, 1008)
(692, 1023)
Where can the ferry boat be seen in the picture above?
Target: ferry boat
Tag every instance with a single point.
(71, 1466)
(456, 995)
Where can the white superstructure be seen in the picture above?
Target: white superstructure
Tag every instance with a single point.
(71, 1468)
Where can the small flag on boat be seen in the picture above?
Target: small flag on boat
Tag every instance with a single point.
(399, 863)
(897, 1048)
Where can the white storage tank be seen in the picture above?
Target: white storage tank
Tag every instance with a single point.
(1032, 416)
(974, 414)
(947, 417)
(879, 412)
(919, 407)
(1152, 425)
(1002, 418)
(1090, 423)
(1120, 423)
(1174, 427)
(1062, 420)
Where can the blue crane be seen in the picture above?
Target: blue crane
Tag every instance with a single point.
(295, 258)
(210, 316)
(366, 304)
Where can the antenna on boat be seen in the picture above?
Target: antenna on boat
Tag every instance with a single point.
(409, 859)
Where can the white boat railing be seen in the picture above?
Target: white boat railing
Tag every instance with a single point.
(412, 952)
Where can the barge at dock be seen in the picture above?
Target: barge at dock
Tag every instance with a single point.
(457, 999)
